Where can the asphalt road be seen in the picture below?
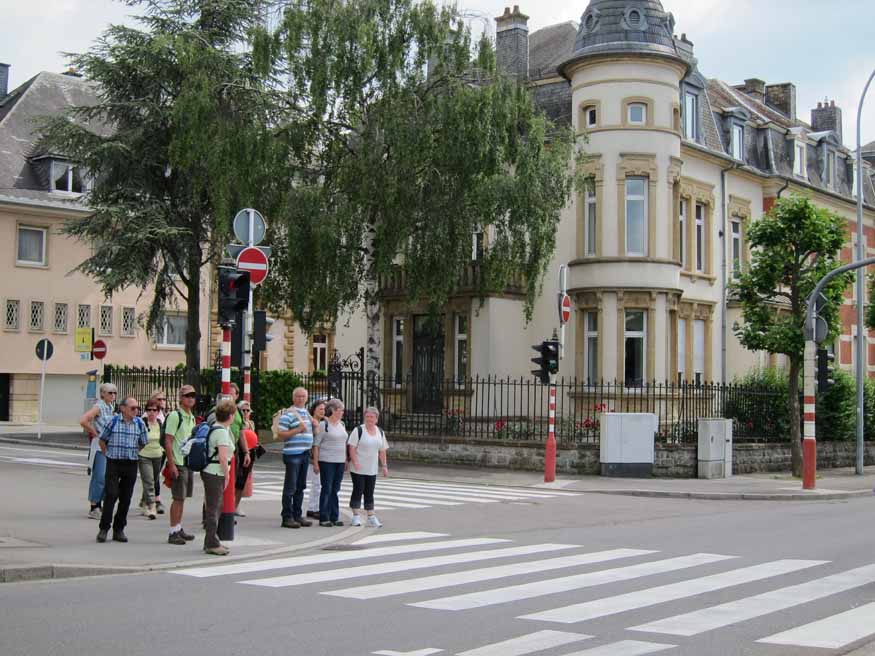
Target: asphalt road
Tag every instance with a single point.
(575, 575)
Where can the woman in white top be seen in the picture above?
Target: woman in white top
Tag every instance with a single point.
(367, 448)
(329, 461)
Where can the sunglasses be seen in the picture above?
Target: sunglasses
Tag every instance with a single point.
(190, 395)
(112, 392)
(247, 410)
(161, 399)
(151, 409)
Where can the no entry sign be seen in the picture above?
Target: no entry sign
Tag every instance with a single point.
(99, 349)
(564, 308)
(255, 262)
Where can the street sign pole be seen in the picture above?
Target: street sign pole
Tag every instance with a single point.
(247, 334)
(563, 290)
(42, 396)
(550, 447)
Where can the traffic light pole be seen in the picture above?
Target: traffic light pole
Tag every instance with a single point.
(809, 409)
(226, 361)
(550, 448)
(247, 334)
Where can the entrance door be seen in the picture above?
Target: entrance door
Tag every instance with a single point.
(428, 364)
(5, 384)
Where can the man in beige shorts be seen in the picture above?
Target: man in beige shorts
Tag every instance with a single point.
(177, 429)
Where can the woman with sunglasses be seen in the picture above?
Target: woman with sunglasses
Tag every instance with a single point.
(243, 471)
(94, 421)
(314, 481)
(150, 459)
(161, 397)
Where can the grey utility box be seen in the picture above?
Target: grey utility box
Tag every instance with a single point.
(626, 443)
(715, 448)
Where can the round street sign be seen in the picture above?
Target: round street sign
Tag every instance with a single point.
(99, 349)
(241, 227)
(564, 308)
(44, 349)
(255, 262)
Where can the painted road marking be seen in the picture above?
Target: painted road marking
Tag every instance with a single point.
(830, 633)
(399, 537)
(624, 648)
(528, 644)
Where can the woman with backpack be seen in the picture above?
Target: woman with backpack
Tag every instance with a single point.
(367, 448)
(220, 446)
(150, 458)
(329, 462)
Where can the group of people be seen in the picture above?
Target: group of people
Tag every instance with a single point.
(127, 439)
(317, 448)
(149, 440)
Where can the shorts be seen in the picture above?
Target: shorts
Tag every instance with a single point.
(183, 485)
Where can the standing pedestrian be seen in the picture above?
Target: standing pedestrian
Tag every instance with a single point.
(314, 483)
(150, 459)
(121, 441)
(161, 396)
(215, 476)
(296, 428)
(329, 454)
(367, 448)
(94, 421)
(244, 449)
(177, 429)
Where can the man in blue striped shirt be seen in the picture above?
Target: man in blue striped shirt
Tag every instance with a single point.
(121, 441)
(296, 428)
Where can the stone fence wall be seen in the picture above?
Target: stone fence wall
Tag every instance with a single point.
(671, 460)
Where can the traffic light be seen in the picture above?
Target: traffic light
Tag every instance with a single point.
(261, 330)
(824, 370)
(233, 294)
(548, 362)
(238, 342)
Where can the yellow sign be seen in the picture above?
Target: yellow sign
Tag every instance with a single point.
(83, 340)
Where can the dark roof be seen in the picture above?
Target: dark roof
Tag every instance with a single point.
(548, 47)
(43, 95)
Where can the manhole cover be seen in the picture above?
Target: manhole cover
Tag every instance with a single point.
(343, 547)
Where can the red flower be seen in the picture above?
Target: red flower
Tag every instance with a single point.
(500, 424)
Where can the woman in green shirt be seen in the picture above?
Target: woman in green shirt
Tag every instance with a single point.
(215, 475)
(150, 459)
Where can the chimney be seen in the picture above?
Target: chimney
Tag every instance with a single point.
(755, 88)
(72, 72)
(826, 116)
(783, 98)
(512, 43)
(4, 80)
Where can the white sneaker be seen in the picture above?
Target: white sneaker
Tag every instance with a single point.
(356, 521)
(94, 514)
(373, 522)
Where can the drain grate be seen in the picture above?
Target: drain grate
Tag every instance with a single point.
(344, 547)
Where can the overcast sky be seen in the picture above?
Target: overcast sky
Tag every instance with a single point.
(822, 46)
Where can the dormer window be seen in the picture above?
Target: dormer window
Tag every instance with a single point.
(67, 178)
(634, 20)
(799, 163)
(637, 113)
(737, 141)
(590, 116)
(691, 116)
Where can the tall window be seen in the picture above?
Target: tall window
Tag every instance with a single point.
(83, 316)
(37, 315)
(636, 216)
(590, 209)
(637, 113)
(682, 238)
(12, 317)
(682, 349)
(461, 364)
(170, 330)
(736, 248)
(691, 116)
(799, 166)
(398, 350)
(591, 116)
(635, 343)
(320, 352)
(31, 246)
(60, 318)
(129, 321)
(477, 247)
(700, 237)
(738, 141)
(105, 327)
(699, 350)
(591, 356)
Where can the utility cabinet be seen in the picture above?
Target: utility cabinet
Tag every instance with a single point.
(626, 444)
(715, 448)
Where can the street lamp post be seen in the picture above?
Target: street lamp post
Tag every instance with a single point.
(862, 351)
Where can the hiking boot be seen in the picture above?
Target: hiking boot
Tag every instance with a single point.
(101, 536)
(119, 536)
(175, 538)
(304, 522)
(325, 524)
(218, 551)
(290, 523)
(188, 537)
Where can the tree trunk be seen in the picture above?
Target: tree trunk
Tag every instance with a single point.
(192, 327)
(795, 418)
(374, 327)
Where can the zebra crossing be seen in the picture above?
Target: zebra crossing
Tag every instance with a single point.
(391, 566)
(404, 494)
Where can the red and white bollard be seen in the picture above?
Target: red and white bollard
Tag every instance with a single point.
(809, 416)
(550, 450)
(226, 361)
(247, 384)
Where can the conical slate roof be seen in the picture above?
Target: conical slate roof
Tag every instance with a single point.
(625, 26)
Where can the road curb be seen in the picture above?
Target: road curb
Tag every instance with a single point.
(12, 439)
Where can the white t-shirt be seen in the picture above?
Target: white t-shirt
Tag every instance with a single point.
(331, 442)
(367, 448)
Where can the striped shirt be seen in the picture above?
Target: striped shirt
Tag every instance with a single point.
(124, 439)
(300, 442)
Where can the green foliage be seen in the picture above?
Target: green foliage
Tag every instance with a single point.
(837, 409)
(762, 410)
(274, 392)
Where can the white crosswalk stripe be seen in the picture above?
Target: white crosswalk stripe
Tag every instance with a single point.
(404, 536)
(830, 633)
(527, 644)
(624, 648)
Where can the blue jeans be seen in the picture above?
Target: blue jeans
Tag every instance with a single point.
(98, 478)
(331, 476)
(294, 484)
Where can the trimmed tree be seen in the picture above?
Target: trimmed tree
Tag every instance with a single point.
(792, 247)
(415, 143)
(176, 144)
